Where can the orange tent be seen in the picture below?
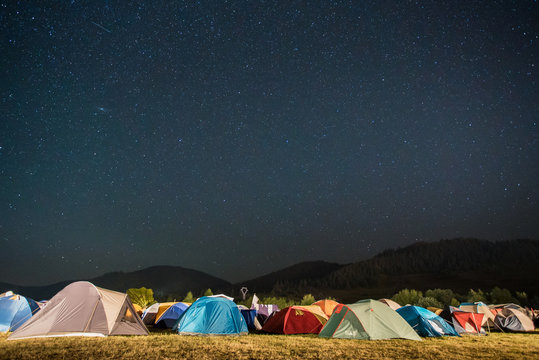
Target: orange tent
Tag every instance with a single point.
(392, 304)
(138, 309)
(327, 306)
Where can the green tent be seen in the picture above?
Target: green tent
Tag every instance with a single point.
(367, 319)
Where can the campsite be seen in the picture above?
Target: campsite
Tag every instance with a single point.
(110, 317)
(162, 345)
(269, 179)
(83, 321)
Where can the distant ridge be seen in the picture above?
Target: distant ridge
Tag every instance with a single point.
(501, 259)
(166, 282)
(304, 271)
(458, 264)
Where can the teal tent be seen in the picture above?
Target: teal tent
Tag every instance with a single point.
(425, 322)
(212, 316)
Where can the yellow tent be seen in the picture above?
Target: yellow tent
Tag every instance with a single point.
(162, 308)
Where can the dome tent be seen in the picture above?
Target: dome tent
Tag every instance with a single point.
(211, 316)
(425, 322)
(511, 319)
(15, 310)
(308, 319)
(327, 306)
(368, 320)
(171, 315)
(82, 309)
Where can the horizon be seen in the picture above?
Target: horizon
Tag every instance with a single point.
(241, 138)
(254, 276)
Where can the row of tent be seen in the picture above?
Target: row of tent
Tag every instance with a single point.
(82, 309)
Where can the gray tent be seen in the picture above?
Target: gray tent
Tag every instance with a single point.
(82, 309)
(513, 320)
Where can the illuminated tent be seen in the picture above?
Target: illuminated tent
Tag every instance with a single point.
(161, 308)
(82, 309)
(138, 309)
(327, 306)
(367, 320)
(296, 320)
(15, 310)
(425, 322)
(170, 316)
(212, 316)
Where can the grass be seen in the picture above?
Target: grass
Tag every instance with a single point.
(165, 345)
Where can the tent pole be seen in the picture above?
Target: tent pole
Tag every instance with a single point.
(475, 323)
(92, 316)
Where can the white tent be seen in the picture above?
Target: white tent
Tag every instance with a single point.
(82, 309)
(148, 315)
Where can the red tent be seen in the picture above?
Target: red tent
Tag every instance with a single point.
(296, 320)
(469, 322)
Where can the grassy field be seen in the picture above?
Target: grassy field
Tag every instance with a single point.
(171, 346)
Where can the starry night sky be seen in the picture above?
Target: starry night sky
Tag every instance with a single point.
(240, 137)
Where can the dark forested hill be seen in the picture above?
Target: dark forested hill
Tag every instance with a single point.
(166, 282)
(301, 272)
(515, 258)
(459, 264)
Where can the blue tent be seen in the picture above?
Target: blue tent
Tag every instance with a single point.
(425, 322)
(171, 315)
(249, 315)
(15, 310)
(212, 316)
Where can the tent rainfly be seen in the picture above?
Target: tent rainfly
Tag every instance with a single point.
(481, 308)
(296, 320)
(211, 316)
(327, 306)
(171, 315)
(82, 309)
(425, 322)
(15, 310)
(368, 320)
(468, 323)
(514, 320)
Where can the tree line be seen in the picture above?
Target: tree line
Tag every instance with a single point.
(444, 297)
(431, 298)
(145, 297)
